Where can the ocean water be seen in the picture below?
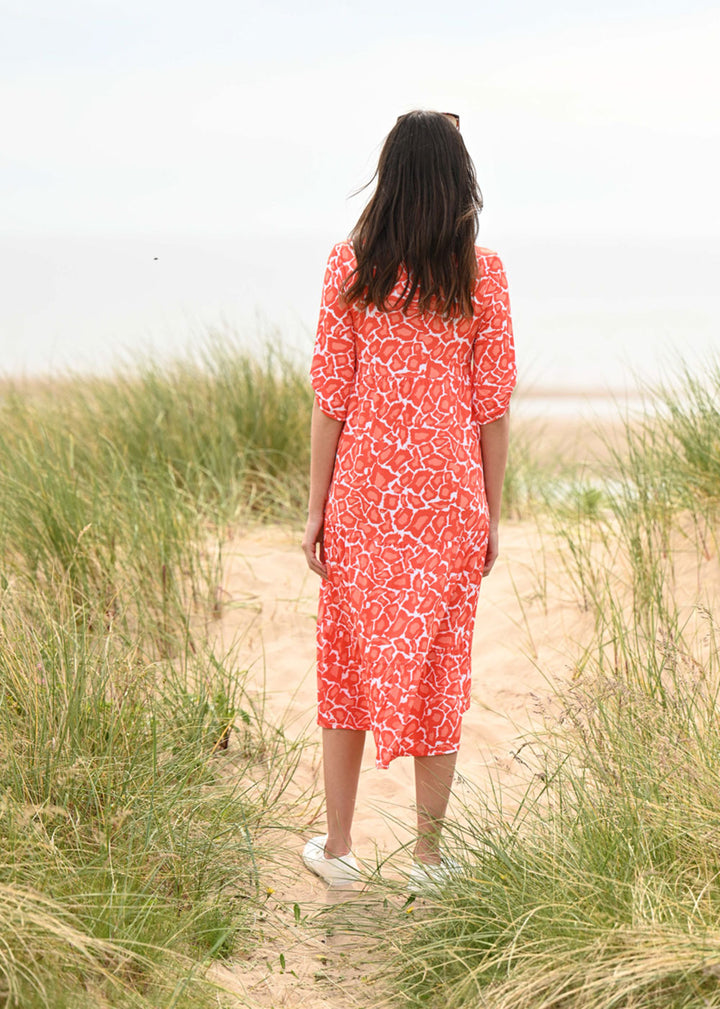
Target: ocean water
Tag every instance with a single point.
(589, 315)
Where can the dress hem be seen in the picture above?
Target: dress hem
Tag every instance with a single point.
(379, 766)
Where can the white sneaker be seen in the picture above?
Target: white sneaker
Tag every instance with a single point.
(425, 878)
(337, 872)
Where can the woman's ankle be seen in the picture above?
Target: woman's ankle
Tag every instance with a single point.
(427, 852)
(336, 847)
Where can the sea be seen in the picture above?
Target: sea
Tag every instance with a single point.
(597, 320)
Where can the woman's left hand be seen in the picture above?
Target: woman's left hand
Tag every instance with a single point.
(492, 550)
(312, 537)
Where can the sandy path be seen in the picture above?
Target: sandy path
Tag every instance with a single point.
(527, 620)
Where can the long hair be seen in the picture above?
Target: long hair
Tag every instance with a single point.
(423, 216)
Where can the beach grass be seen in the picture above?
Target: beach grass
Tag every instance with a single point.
(136, 775)
(117, 819)
(603, 888)
(600, 887)
(138, 778)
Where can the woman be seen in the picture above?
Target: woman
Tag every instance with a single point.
(412, 370)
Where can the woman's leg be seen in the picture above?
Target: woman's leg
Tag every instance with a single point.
(342, 757)
(433, 780)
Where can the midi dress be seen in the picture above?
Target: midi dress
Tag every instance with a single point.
(406, 520)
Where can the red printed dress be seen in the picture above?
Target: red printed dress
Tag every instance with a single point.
(406, 518)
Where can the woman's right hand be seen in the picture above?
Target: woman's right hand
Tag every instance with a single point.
(312, 538)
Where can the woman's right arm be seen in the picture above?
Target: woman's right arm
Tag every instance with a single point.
(324, 436)
(332, 374)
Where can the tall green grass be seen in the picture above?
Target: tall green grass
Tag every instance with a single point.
(113, 806)
(107, 485)
(540, 482)
(602, 891)
(669, 494)
(135, 774)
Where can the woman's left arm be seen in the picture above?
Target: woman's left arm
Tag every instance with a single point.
(494, 448)
(324, 436)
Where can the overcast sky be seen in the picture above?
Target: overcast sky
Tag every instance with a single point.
(157, 118)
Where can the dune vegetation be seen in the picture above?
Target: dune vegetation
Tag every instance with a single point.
(129, 852)
(138, 779)
(603, 889)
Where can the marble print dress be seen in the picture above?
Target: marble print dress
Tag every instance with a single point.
(406, 518)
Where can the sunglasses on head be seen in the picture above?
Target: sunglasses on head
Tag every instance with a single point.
(452, 116)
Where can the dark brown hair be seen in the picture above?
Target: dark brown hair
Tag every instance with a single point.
(423, 216)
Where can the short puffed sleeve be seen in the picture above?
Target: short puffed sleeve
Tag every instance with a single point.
(493, 352)
(332, 372)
